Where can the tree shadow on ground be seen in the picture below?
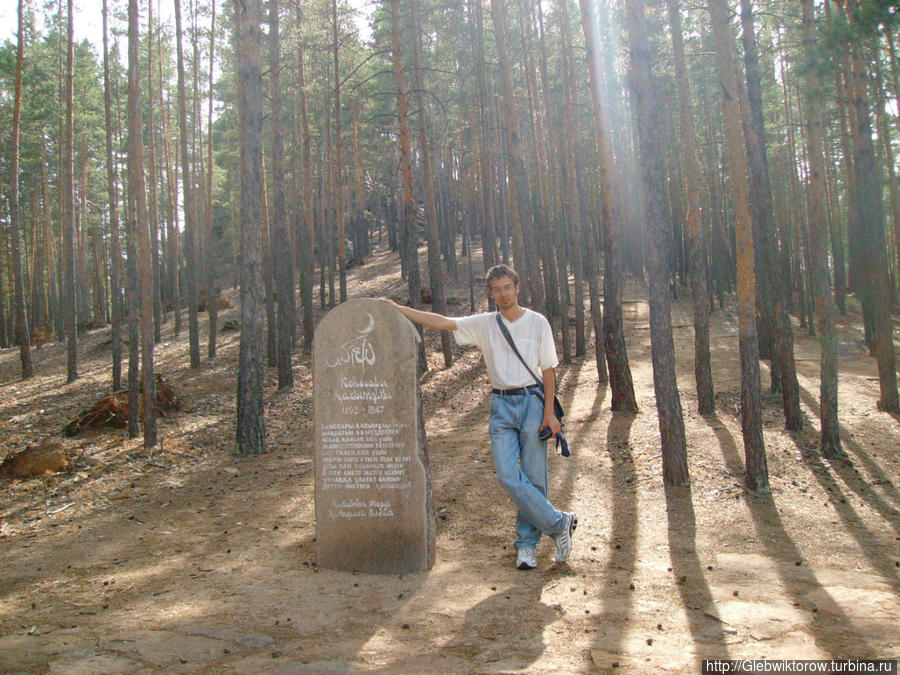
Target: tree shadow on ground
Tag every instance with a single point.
(572, 431)
(830, 629)
(856, 483)
(617, 595)
(696, 596)
(567, 384)
(485, 641)
(854, 525)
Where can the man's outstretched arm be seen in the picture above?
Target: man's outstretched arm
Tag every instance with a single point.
(428, 319)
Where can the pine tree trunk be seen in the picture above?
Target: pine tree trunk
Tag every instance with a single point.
(4, 340)
(69, 304)
(895, 202)
(571, 178)
(134, 323)
(41, 211)
(211, 240)
(172, 296)
(706, 401)
(251, 430)
(875, 292)
(893, 189)
(542, 207)
(772, 305)
(853, 226)
(338, 159)
(23, 335)
(836, 236)
(485, 161)
(54, 269)
(138, 196)
(665, 384)
(800, 246)
(48, 240)
(409, 248)
(751, 416)
(623, 398)
(268, 277)
(153, 204)
(309, 248)
(830, 439)
(99, 276)
(190, 202)
(515, 174)
(761, 208)
(82, 288)
(435, 273)
(282, 248)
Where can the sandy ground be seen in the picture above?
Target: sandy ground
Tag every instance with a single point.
(196, 560)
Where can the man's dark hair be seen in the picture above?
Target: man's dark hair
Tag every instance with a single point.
(498, 272)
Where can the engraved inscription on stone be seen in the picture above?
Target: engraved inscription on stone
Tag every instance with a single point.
(363, 455)
(373, 491)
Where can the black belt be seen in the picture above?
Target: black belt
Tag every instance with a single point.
(518, 391)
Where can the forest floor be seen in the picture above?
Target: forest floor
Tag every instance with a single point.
(197, 560)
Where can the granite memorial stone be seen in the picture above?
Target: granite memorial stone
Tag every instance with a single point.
(373, 489)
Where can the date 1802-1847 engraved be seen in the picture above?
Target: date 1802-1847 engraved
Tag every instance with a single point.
(362, 409)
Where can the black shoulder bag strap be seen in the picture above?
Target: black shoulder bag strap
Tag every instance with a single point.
(505, 331)
(557, 407)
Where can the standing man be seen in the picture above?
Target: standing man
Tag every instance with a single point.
(519, 411)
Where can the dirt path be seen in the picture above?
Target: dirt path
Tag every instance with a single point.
(195, 560)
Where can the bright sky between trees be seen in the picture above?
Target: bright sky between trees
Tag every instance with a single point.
(88, 20)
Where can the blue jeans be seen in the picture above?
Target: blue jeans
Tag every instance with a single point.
(520, 459)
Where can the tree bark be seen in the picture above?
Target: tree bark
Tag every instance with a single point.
(435, 273)
(4, 334)
(706, 401)
(896, 78)
(68, 207)
(410, 242)
(309, 249)
(875, 292)
(665, 384)
(573, 204)
(40, 316)
(138, 196)
(830, 439)
(209, 230)
(251, 430)
(134, 323)
(485, 161)
(773, 303)
(23, 335)
(543, 211)
(620, 380)
(515, 173)
(153, 204)
(751, 416)
(282, 250)
(172, 297)
(189, 202)
(268, 278)
(338, 152)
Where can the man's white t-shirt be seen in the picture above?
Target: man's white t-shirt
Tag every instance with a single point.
(533, 337)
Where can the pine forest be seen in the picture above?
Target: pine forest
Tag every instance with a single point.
(702, 197)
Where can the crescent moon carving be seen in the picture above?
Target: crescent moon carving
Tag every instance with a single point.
(368, 329)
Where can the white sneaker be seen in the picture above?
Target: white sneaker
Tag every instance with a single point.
(525, 560)
(564, 539)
